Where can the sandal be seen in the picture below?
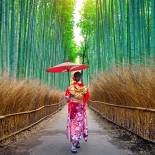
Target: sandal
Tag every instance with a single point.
(77, 145)
(73, 149)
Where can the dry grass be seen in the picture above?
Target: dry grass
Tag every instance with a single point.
(125, 86)
(24, 95)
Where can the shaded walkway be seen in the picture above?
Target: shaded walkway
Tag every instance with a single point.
(104, 139)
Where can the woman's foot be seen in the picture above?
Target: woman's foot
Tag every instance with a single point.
(86, 139)
(73, 149)
(77, 145)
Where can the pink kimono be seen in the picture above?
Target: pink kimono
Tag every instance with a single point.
(77, 119)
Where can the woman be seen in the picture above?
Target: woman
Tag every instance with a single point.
(77, 95)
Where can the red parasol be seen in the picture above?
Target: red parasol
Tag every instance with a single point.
(67, 67)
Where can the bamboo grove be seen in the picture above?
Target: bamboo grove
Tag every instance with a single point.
(34, 35)
(118, 33)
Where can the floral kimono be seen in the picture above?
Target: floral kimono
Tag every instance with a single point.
(77, 96)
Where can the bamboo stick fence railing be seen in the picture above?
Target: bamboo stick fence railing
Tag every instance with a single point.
(13, 124)
(138, 120)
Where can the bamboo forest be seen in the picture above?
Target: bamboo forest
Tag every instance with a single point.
(105, 49)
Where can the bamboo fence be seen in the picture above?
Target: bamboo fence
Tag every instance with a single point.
(13, 124)
(138, 120)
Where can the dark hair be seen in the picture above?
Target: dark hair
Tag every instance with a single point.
(77, 76)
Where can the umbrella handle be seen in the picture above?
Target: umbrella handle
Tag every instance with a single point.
(68, 77)
(81, 80)
(82, 76)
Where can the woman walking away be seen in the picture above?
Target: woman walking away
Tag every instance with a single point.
(77, 95)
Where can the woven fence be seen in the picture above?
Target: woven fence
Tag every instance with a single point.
(13, 124)
(140, 121)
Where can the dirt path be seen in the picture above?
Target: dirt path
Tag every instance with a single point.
(104, 139)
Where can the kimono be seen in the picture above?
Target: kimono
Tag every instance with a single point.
(77, 95)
